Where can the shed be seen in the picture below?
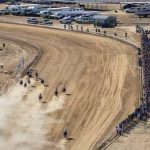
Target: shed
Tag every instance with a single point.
(105, 21)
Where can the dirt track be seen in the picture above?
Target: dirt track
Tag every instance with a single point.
(11, 56)
(101, 76)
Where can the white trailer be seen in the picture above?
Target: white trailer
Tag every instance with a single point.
(69, 12)
(51, 11)
(16, 9)
(143, 11)
(35, 10)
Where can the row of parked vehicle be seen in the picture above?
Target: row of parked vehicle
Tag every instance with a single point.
(4, 12)
(65, 20)
(33, 20)
(139, 10)
(103, 21)
(83, 19)
(65, 15)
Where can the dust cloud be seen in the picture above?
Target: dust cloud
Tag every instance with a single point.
(23, 124)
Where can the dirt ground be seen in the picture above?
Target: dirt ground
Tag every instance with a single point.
(101, 77)
(137, 139)
(10, 58)
(130, 27)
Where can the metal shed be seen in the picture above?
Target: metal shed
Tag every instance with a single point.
(105, 21)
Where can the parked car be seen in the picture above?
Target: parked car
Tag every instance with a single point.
(132, 9)
(77, 18)
(66, 21)
(2, 12)
(67, 18)
(32, 20)
(59, 16)
(46, 22)
(85, 19)
(129, 6)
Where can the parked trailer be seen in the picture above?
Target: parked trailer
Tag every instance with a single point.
(85, 20)
(105, 21)
(143, 11)
(51, 11)
(35, 10)
(17, 9)
(69, 12)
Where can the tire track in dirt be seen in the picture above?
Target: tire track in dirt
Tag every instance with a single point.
(96, 70)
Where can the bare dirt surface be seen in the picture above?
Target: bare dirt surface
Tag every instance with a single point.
(137, 139)
(10, 58)
(101, 77)
(3, 6)
(120, 30)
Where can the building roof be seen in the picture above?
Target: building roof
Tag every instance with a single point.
(100, 17)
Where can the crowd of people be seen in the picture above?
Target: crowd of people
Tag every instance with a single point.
(142, 111)
(146, 66)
